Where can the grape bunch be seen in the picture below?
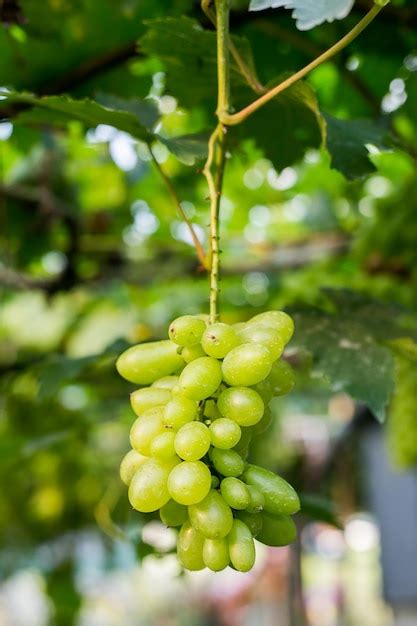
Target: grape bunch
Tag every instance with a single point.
(402, 422)
(209, 387)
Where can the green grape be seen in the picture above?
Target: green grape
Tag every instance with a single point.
(279, 496)
(241, 546)
(263, 423)
(130, 463)
(173, 514)
(235, 493)
(179, 411)
(252, 520)
(215, 482)
(148, 398)
(241, 404)
(265, 336)
(224, 433)
(264, 389)
(278, 320)
(212, 517)
(281, 378)
(190, 545)
(189, 482)
(218, 339)
(246, 365)
(163, 446)
(192, 441)
(277, 530)
(227, 462)
(166, 382)
(216, 554)
(200, 378)
(256, 500)
(145, 363)
(211, 411)
(144, 431)
(186, 330)
(402, 417)
(244, 441)
(191, 353)
(148, 487)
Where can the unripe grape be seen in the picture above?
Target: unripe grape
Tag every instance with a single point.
(191, 353)
(279, 496)
(235, 493)
(179, 411)
(218, 339)
(166, 382)
(241, 404)
(148, 488)
(227, 462)
(215, 482)
(189, 482)
(145, 363)
(201, 378)
(246, 365)
(265, 336)
(144, 431)
(263, 423)
(216, 554)
(162, 447)
(252, 520)
(212, 517)
(277, 530)
(186, 330)
(211, 411)
(279, 320)
(149, 397)
(192, 441)
(190, 548)
(281, 378)
(241, 546)
(173, 514)
(130, 463)
(225, 433)
(256, 499)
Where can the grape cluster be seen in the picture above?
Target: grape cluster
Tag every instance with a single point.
(210, 386)
(402, 422)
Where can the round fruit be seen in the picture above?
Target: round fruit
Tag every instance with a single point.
(173, 514)
(189, 482)
(179, 411)
(241, 404)
(190, 545)
(265, 336)
(145, 363)
(148, 398)
(216, 554)
(148, 488)
(212, 517)
(162, 447)
(186, 330)
(277, 319)
(166, 382)
(191, 353)
(200, 378)
(144, 431)
(192, 441)
(130, 463)
(282, 378)
(277, 530)
(279, 496)
(218, 339)
(241, 546)
(225, 433)
(235, 493)
(227, 462)
(246, 365)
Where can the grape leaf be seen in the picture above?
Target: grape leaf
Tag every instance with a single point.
(187, 148)
(308, 13)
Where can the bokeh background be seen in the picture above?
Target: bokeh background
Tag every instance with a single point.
(93, 258)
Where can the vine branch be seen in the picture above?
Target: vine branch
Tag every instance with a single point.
(240, 116)
(175, 198)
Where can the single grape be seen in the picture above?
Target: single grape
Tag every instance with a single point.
(130, 463)
(215, 482)
(277, 530)
(241, 546)
(263, 423)
(179, 411)
(278, 320)
(148, 488)
(186, 330)
(166, 382)
(216, 554)
(227, 462)
(189, 482)
(211, 411)
(173, 514)
(264, 389)
(265, 336)
(192, 441)
(212, 517)
(191, 353)
(162, 447)
(225, 433)
(279, 496)
(252, 520)
(190, 545)
(144, 431)
(281, 378)
(145, 363)
(241, 404)
(235, 493)
(257, 499)
(200, 378)
(149, 397)
(218, 339)
(246, 365)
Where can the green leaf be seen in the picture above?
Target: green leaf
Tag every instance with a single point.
(187, 148)
(319, 509)
(347, 142)
(146, 111)
(308, 13)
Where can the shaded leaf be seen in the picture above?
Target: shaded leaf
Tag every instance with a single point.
(187, 148)
(319, 509)
(308, 13)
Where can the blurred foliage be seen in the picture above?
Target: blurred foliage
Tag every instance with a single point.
(320, 191)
